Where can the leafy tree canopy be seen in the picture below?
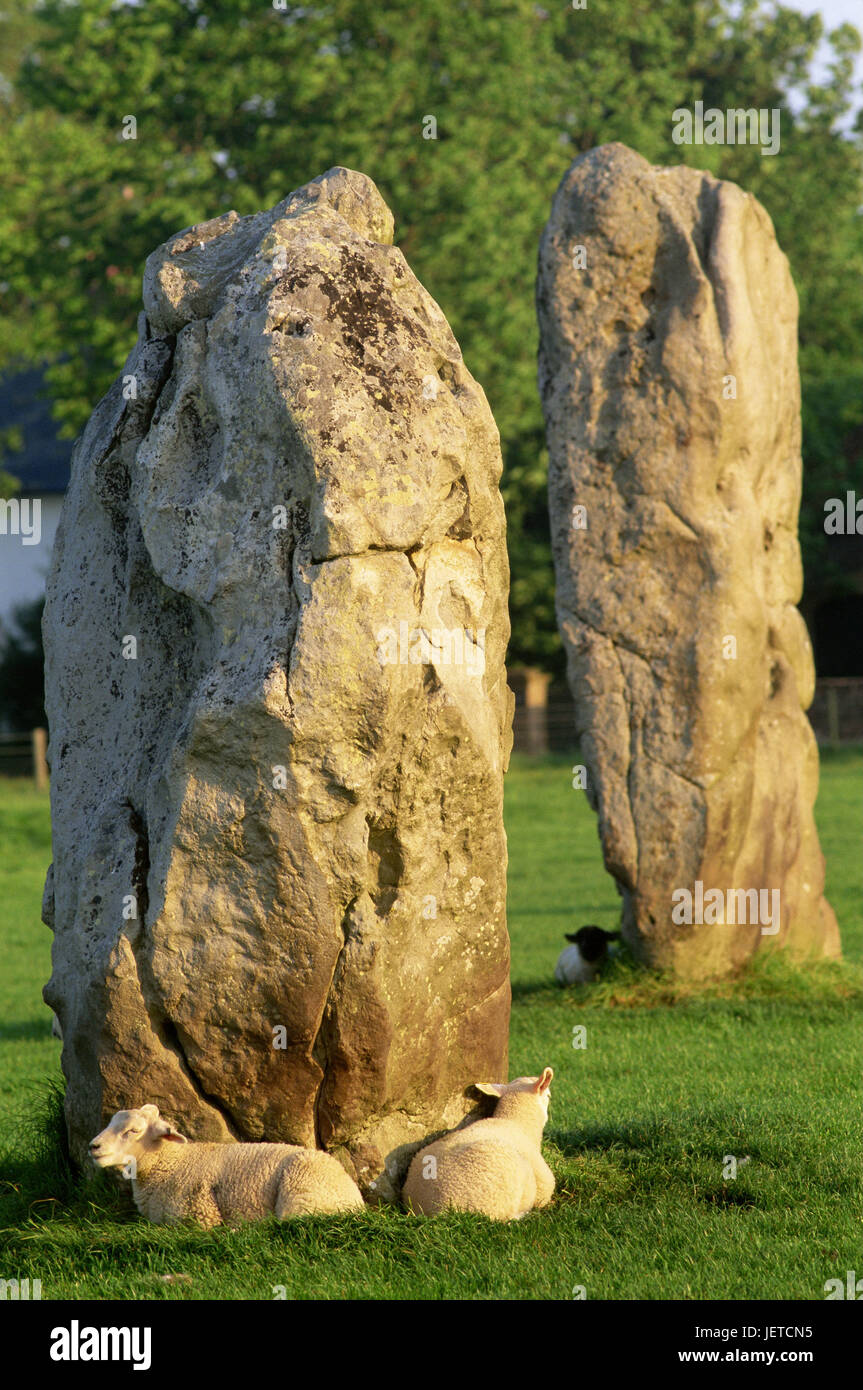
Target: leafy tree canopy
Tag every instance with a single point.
(237, 102)
(22, 690)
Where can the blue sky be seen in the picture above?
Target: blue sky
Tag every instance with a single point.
(834, 13)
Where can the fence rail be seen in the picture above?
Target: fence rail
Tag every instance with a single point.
(23, 755)
(836, 716)
(539, 726)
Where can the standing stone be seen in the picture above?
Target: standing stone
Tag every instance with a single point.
(668, 372)
(279, 717)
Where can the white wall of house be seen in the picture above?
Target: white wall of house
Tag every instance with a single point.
(24, 568)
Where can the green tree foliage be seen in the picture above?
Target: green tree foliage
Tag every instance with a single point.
(10, 443)
(237, 102)
(22, 690)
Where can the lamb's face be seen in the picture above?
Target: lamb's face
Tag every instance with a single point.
(129, 1134)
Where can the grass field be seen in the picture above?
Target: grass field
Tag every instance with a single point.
(642, 1118)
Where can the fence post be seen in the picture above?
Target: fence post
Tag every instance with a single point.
(39, 740)
(536, 709)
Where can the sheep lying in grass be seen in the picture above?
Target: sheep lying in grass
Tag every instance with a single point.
(579, 964)
(493, 1166)
(174, 1180)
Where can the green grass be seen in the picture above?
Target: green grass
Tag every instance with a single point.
(670, 1082)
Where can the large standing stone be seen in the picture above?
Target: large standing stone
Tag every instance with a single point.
(279, 718)
(668, 372)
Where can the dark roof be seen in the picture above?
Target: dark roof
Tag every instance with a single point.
(43, 463)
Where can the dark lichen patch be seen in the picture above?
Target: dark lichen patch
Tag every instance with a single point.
(361, 302)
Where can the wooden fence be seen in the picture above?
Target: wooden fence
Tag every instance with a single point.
(23, 755)
(548, 725)
(541, 724)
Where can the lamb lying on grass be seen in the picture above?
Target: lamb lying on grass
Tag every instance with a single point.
(174, 1180)
(579, 964)
(493, 1166)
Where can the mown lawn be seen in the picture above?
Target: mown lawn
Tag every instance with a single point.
(643, 1118)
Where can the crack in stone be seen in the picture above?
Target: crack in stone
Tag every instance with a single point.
(630, 767)
(615, 642)
(682, 519)
(320, 1051)
(363, 554)
(141, 869)
(674, 772)
(163, 1027)
(170, 1040)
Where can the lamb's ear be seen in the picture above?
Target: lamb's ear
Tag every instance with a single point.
(165, 1130)
(490, 1088)
(150, 1113)
(544, 1081)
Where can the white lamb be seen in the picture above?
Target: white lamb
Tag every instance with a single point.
(174, 1180)
(493, 1166)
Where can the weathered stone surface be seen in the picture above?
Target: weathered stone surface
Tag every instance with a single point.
(305, 481)
(702, 766)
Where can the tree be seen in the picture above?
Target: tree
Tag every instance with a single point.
(22, 691)
(238, 102)
(10, 443)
